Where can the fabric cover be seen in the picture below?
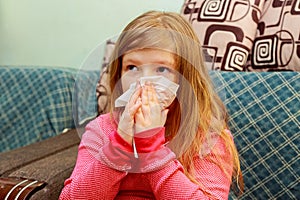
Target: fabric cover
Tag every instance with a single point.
(37, 102)
(247, 35)
(264, 118)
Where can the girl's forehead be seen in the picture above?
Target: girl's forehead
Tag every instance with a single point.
(142, 38)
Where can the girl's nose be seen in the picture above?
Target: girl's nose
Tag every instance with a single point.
(148, 70)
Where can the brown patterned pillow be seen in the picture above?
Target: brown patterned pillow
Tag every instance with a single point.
(277, 43)
(103, 90)
(247, 35)
(225, 28)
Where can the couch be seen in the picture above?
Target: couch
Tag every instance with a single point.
(264, 119)
(255, 71)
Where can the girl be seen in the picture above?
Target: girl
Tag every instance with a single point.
(151, 151)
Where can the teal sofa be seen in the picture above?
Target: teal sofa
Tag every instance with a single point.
(52, 107)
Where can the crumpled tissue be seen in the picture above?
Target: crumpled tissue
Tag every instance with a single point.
(165, 89)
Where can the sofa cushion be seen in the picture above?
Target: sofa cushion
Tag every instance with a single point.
(264, 118)
(35, 104)
(40, 102)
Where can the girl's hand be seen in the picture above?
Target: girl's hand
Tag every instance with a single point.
(126, 122)
(150, 114)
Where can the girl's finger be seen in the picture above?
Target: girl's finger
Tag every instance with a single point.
(139, 114)
(130, 110)
(145, 90)
(135, 95)
(152, 95)
(135, 108)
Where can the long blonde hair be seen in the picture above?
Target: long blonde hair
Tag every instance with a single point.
(197, 107)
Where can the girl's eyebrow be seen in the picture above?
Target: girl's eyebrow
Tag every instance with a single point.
(166, 62)
(140, 62)
(129, 60)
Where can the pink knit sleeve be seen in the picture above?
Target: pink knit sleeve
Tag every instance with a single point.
(91, 178)
(152, 153)
(171, 183)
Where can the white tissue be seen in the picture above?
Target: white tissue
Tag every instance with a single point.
(165, 89)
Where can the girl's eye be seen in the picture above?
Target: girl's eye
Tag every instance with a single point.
(163, 69)
(132, 68)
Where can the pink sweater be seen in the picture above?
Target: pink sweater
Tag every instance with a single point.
(107, 169)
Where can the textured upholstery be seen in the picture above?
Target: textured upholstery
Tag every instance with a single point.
(50, 161)
(35, 104)
(265, 121)
(38, 102)
(85, 99)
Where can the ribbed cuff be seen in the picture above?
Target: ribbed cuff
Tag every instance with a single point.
(145, 142)
(152, 153)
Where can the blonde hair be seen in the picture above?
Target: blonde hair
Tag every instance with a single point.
(198, 107)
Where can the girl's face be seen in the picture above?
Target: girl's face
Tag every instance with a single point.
(147, 62)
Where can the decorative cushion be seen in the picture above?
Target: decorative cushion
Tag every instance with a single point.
(103, 89)
(247, 35)
(276, 46)
(226, 29)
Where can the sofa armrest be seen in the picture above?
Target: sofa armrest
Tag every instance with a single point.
(50, 161)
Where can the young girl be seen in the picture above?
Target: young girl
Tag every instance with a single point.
(147, 149)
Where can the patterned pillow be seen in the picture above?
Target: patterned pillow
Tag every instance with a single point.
(276, 46)
(226, 29)
(247, 35)
(103, 89)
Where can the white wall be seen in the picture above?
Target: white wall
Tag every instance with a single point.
(63, 32)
